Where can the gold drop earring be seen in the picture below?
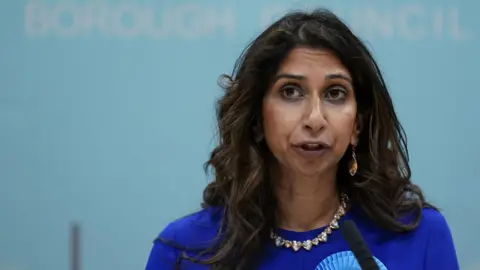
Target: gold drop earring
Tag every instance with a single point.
(353, 163)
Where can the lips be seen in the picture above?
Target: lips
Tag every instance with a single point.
(311, 146)
(311, 149)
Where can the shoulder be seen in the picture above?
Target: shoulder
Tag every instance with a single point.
(195, 229)
(434, 226)
(440, 250)
(193, 233)
(432, 219)
(429, 246)
(435, 232)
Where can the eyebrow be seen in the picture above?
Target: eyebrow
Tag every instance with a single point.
(301, 77)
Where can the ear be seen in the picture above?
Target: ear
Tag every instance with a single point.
(357, 128)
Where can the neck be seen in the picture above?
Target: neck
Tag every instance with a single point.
(306, 203)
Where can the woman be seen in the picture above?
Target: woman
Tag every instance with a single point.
(308, 138)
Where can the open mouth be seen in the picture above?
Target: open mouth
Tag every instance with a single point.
(311, 147)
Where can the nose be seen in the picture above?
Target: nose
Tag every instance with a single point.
(315, 118)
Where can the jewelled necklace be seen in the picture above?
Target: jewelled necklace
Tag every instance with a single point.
(321, 238)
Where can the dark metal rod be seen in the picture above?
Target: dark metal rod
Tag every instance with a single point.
(75, 246)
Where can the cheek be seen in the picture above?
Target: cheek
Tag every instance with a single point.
(344, 126)
(272, 121)
(278, 123)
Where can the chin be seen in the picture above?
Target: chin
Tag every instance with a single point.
(312, 170)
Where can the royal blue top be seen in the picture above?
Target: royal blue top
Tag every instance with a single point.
(429, 247)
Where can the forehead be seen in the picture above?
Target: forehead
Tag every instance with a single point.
(311, 62)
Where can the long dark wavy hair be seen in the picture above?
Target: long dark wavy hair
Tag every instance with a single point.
(242, 187)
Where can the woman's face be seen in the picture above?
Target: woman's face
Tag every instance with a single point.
(309, 112)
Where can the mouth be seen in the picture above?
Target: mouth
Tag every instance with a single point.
(311, 146)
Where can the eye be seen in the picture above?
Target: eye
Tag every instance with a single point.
(336, 94)
(291, 91)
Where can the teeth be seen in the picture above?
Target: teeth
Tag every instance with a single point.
(311, 146)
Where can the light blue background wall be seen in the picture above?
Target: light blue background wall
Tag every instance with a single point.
(106, 114)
